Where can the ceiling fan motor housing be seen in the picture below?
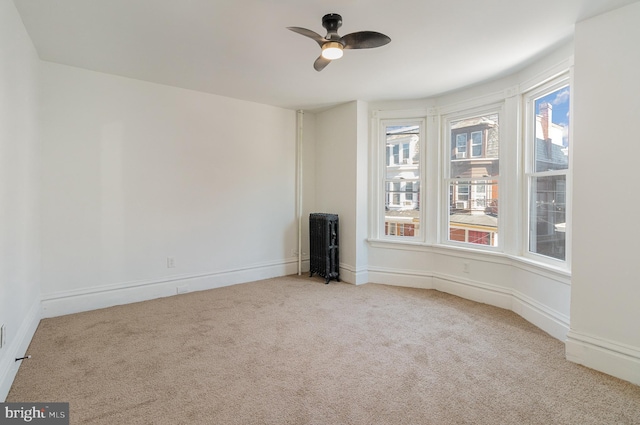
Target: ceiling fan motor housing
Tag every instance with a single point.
(332, 22)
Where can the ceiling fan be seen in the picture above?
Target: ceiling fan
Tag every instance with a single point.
(332, 44)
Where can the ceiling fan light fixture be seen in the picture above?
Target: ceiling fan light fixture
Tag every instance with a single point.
(332, 44)
(332, 50)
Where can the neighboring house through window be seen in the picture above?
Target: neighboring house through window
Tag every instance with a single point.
(402, 179)
(472, 180)
(548, 168)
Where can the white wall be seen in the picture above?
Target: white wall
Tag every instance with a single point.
(134, 173)
(341, 181)
(19, 192)
(605, 296)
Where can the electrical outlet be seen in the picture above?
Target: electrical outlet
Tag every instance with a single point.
(182, 289)
(465, 267)
(3, 335)
(171, 263)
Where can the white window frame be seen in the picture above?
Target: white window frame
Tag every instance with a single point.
(378, 156)
(529, 98)
(446, 179)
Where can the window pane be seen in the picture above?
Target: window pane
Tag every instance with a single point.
(475, 147)
(402, 181)
(551, 150)
(461, 146)
(473, 212)
(548, 216)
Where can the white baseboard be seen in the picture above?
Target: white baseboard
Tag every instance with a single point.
(354, 276)
(86, 299)
(8, 364)
(473, 290)
(553, 322)
(405, 278)
(615, 359)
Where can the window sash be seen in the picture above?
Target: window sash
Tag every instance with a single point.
(470, 190)
(401, 209)
(547, 173)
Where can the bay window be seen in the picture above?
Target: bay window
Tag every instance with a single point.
(466, 199)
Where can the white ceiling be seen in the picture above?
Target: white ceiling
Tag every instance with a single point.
(242, 49)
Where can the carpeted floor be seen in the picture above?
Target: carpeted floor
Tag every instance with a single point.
(293, 350)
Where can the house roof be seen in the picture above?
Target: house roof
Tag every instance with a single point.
(550, 156)
(242, 49)
(484, 220)
(473, 122)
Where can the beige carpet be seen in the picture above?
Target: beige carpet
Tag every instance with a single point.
(293, 350)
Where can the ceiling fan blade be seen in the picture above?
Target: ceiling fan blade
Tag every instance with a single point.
(321, 63)
(308, 33)
(364, 40)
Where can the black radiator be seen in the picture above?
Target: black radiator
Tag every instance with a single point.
(323, 241)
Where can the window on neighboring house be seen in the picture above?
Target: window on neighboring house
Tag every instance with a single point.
(547, 168)
(476, 144)
(408, 196)
(395, 194)
(479, 196)
(406, 156)
(393, 155)
(402, 175)
(472, 185)
(461, 146)
(462, 195)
